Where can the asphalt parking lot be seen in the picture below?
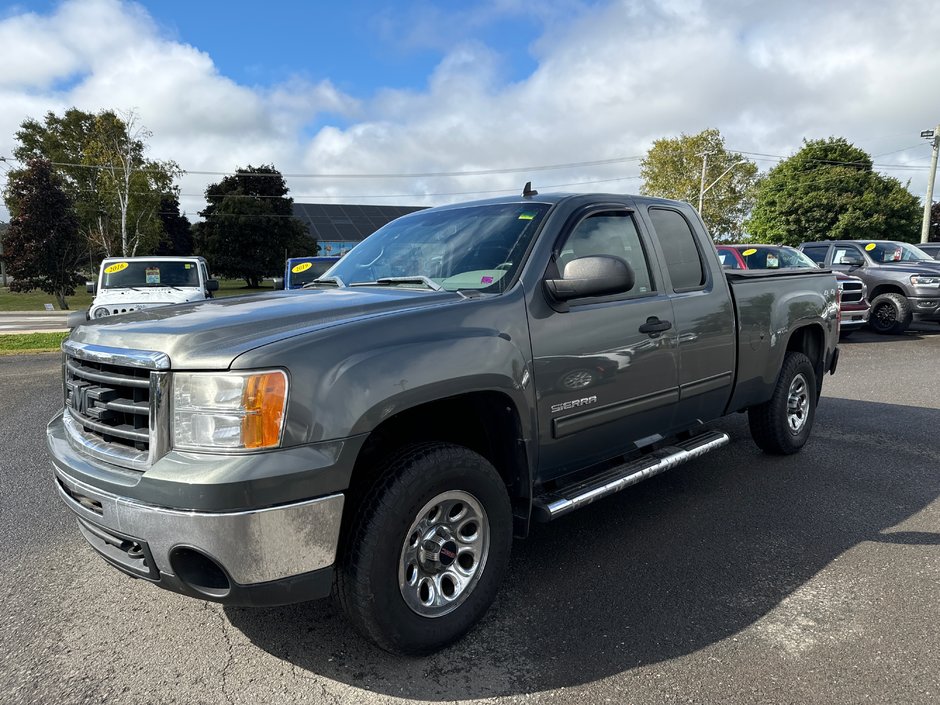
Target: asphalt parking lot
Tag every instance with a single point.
(739, 578)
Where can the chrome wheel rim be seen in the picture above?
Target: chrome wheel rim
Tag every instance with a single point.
(797, 404)
(444, 554)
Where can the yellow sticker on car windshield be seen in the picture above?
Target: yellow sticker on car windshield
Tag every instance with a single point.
(749, 252)
(302, 267)
(870, 246)
(116, 267)
(527, 216)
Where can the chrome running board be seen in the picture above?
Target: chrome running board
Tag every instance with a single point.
(566, 499)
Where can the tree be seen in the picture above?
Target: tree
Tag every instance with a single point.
(115, 188)
(43, 247)
(672, 168)
(829, 190)
(249, 226)
(3, 265)
(177, 231)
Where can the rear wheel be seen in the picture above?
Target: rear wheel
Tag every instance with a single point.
(427, 550)
(782, 425)
(890, 314)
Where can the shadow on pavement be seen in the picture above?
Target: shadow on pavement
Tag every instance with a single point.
(677, 563)
(917, 331)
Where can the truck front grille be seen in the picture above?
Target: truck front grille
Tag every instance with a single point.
(852, 292)
(109, 401)
(115, 403)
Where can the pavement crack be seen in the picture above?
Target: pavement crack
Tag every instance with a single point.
(229, 650)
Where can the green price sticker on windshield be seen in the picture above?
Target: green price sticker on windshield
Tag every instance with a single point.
(527, 216)
(749, 252)
(302, 267)
(116, 267)
(870, 246)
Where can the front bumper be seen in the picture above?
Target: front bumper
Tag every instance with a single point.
(272, 555)
(854, 315)
(925, 309)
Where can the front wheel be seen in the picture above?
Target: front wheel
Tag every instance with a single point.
(781, 426)
(890, 314)
(427, 550)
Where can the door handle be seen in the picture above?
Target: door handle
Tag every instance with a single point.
(653, 326)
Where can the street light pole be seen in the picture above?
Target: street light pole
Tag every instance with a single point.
(928, 201)
(701, 188)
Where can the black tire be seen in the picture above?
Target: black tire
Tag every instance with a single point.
(367, 579)
(890, 314)
(771, 422)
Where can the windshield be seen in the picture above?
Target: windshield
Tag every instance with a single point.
(895, 252)
(475, 247)
(123, 274)
(759, 257)
(304, 271)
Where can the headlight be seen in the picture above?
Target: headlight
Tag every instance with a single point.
(228, 411)
(925, 282)
(101, 312)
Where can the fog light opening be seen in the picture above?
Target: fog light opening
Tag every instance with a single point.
(200, 572)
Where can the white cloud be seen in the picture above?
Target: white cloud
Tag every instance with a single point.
(609, 80)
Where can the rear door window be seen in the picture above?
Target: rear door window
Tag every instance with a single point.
(817, 253)
(683, 259)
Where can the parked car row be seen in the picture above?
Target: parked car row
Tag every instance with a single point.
(854, 305)
(903, 281)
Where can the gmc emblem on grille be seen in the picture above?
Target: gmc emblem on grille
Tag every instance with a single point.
(79, 397)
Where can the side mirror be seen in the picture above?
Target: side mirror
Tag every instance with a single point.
(852, 261)
(76, 318)
(278, 283)
(212, 284)
(597, 275)
(91, 287)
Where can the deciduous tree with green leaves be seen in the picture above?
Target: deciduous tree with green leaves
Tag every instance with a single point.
(42, 247)
(672, 168)
(177, 230)
(249, 227)
(829, 190)
(115, 187)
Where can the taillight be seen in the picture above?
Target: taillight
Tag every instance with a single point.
(838, 308)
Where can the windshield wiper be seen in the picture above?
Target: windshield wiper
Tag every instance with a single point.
(415, 279)
(335, 281)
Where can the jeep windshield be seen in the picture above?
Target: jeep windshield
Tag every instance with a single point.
(476, 247)
(888, 252)
(127, 274)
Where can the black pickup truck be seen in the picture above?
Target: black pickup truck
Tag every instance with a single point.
(462, 372)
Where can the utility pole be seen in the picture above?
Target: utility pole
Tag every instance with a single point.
(928, 201)
(701, 188)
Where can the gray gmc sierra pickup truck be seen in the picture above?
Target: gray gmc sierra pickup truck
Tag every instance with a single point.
(462, 372)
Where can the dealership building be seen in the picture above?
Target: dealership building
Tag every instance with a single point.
(338, 227)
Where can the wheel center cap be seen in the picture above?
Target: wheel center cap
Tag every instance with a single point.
(437, 550)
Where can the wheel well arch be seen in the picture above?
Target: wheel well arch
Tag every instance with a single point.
(885, 289)
(486, 422)
(811, 341)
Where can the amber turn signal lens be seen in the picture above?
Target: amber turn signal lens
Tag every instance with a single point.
(263, 401)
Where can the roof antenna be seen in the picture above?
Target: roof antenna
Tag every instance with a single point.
(527, 192)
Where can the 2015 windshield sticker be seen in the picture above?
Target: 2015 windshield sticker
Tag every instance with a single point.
(870, 246)
(153, 275)
(749, 252)
(527, 216)
(302, 267)
(187, 266)
(116, 267)
(486, 280)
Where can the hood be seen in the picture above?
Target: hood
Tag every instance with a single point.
(924, 267)
(211, 334)
(148, 295)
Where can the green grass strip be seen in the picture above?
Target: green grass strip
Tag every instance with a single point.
(19, 343)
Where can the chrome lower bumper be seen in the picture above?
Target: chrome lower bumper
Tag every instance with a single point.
(255, 546)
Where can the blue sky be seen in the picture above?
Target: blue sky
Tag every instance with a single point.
(468, 94)
(361, 47)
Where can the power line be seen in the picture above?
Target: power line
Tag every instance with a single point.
(390, 175)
